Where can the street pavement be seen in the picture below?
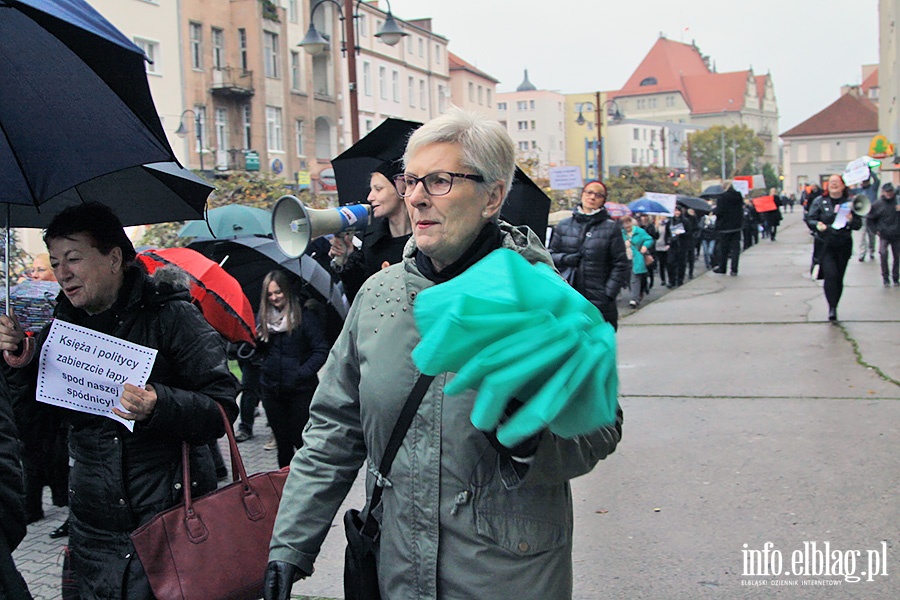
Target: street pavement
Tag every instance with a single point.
(749, 420)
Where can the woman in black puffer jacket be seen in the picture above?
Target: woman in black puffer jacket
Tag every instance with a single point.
(589, 245)
(294, 349)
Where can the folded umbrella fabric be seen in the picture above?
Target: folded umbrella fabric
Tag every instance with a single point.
(510, 329)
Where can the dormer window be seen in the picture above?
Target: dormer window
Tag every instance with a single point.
(649, 81)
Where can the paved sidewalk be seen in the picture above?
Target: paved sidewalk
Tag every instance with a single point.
(748, 419)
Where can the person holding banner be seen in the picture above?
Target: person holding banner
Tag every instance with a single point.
(831, 221)
(123, 475)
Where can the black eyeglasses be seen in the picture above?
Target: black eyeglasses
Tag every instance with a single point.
(435, 184)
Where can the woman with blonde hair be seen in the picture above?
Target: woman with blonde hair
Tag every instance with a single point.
(294, 348)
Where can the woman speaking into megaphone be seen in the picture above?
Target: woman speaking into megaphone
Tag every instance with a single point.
(383, 240)
(831, 219)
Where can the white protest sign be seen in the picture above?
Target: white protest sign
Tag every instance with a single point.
(856, 171)
(84, 370)
(565, 178)
(667, 200)
(742, 186)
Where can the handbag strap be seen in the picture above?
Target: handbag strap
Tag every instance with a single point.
(237, 464)
(400, 428)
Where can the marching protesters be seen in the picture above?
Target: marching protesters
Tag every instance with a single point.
(12, 501)
(831, 221)
(641, 247)
(293, 348)
(383, 241)
(120, 479)
(885, 219)
(461, 512)
(589, 245)
(729, 223)
(679, 235)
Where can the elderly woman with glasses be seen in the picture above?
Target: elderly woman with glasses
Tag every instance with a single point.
(589, 250)
(459, 513)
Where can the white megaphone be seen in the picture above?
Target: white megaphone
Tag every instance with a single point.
(861, 205)
(294, 225)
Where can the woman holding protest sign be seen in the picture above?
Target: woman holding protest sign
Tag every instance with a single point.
(122, 476)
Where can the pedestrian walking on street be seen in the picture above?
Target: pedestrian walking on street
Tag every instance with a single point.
(121, 479)
(679, 234)
(459, 511)
(641, 248)
(293, 347)
(589, 246)
(831, 221)
(885, 219)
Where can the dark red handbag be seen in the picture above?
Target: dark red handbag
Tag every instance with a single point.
(216, 546)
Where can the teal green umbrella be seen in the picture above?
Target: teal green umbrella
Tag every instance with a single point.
(510, 329)
(230, 221)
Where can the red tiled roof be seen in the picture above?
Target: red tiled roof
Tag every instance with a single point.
(848, 114)
(668, 62)
(716, 92)
(870, 82)
(456, 64)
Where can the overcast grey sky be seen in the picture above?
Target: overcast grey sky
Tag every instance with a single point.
(811, 47)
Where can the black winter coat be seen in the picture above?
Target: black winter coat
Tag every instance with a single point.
(12, 486)
(594, 245)
(824, 209)
(291, 361)
(120, 479)
(729, 211)
(885, 219)
(378, 247)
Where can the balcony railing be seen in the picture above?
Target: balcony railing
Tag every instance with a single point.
(230, 81)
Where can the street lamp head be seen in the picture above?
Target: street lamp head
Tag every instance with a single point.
(390, 33)
(580, 120)
(314, 42)
(182, 130)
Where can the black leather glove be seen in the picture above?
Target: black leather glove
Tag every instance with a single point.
(570, 260)
(280, 578)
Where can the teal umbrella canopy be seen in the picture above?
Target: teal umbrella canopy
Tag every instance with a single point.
(230, 221)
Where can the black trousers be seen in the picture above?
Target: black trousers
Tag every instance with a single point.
(662, 259)
(678, 258)
(833, 263)
(249, 395)
(288, 412)
(728, 245)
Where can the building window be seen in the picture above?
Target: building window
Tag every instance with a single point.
(501, 106)
(196, 46)
(423, 100)
(395, 85)
(362, 25)
(648, 81)
(533, 126)
(471, 92)
(442, 99)
(480, 96)
(151, 49)
(218, 48)
(437, 53)
(382, 82)
(634, 156)
(298, 136)
(531, 104)
(273, 129)
(367, 78)
(521, 105)
(296, 84)
(652, 102)
(533, 145)
(409, 44)
(523, 146)
(637, 133)
(523, 125)
(245, 126)
(670, 101)
(421, 47)
(369, 125)
(222, 137)
(489, 99)
(271, 50)
(292, 11)
(242, 40)
(200, 111)
(825, 155)
(412, 91)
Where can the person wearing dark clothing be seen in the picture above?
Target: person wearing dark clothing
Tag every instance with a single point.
(12, 500)
(773, 218)
(589, 244)
(679, 235)
(690, 215)
(384, 239)
(751, 225)
(885, 219)
(293, 348)
(646, 223)
(831, 220)
(120, 479)
(730, 219)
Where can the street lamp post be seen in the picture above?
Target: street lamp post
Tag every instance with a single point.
(198, 131)
(315, 43)
(616, 116)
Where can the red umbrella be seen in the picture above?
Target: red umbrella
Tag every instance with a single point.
(617, 210)
(218, 294)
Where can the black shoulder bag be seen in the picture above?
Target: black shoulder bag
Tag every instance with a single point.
(360, 571)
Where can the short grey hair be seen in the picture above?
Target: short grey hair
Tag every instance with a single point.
(486, 146)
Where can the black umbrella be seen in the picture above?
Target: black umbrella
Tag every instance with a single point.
(698, 204)
(248, 259)
(353, 167)
(713, 191)
(527, 204)
(78, 120)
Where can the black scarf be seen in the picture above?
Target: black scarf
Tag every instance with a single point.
(489, 239)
